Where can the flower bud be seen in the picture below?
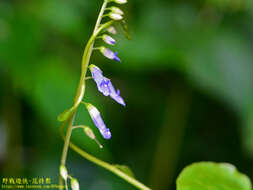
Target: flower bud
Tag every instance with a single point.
(115, 16)
(111, 30)
(74, 184)
(63, 172)
(108, 39)
(117, 10)
(90, 134)
(109, 54)
(120, 1)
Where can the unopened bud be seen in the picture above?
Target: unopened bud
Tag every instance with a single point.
(120, 1)
(115, 16)
(116, 10)
(74, 184)
(90, 134)
(63, 172)
(108, 39)
(111, 30)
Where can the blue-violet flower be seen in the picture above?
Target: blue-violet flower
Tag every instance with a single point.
(104, 85)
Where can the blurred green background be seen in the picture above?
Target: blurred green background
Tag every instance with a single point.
(186, 76)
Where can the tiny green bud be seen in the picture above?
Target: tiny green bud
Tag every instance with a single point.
(74, 184)
(111, 30)
(115, 16)
(63, 172)
(120, 1)
(89, 132)
(116, 10)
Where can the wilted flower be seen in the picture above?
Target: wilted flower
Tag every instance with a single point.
(108, 39)
(117, 10)
(63, 172)
(109, 53)
(111, 30)
(74, 184)
(115, 16)
(98, 121)
(104, 85)
(120, 1)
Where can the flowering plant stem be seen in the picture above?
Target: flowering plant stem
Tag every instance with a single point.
(77, 100)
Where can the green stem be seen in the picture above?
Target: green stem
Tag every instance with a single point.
(78, 99)
(109, 167)
(81, 86)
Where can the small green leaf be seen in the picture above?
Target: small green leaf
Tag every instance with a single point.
(125, 169)
(65, 115)
(212, 176)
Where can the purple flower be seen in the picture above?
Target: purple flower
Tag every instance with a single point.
(104, 85)
(98, 121)
(109, 53)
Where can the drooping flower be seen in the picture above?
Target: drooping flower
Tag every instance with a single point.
(111, 30)
(120, 1)
(98, 121)
(108, 39)
(115, 16)
(104, 85)
(109, 53)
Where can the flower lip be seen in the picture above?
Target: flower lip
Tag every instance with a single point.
(116, 95)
